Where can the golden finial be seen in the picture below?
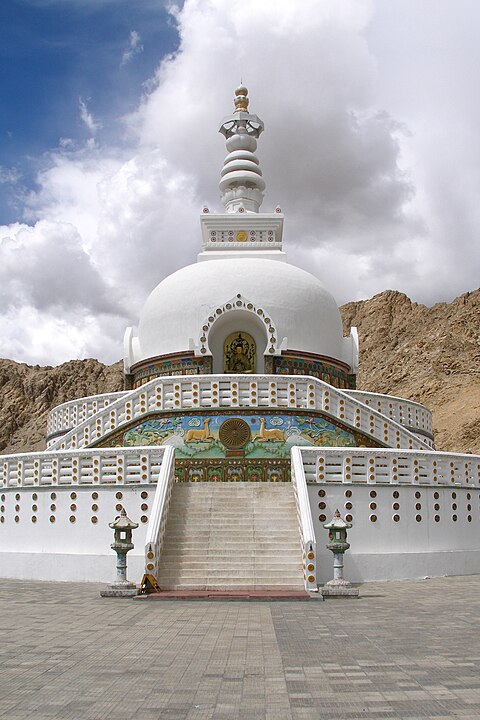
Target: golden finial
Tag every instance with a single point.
(241, 99)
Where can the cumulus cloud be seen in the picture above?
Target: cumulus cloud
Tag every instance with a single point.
(133, 48)
(369, 203)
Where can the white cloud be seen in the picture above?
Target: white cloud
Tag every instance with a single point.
(87, 117)
(9, 176)
(133, 48)
(374, 197)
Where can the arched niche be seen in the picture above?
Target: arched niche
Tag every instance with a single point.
(238, 315)
(238, 322)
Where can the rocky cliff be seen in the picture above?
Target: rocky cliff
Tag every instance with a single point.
(27, 393)
(431, 355)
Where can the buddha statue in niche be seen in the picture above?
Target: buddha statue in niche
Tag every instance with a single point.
(239, 354)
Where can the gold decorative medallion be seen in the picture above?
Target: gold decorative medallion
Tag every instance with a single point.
(241, 236)
(234, 433)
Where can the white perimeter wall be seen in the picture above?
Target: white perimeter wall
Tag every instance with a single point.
(64, 550)
(409, 548)
(381, 550)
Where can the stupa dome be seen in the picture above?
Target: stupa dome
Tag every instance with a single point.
(302, 312)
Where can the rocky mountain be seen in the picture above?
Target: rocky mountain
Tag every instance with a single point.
(431, 355)
(427, 354)
(27, 393)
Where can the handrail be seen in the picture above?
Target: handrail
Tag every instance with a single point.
(159, 513)
(305, 521)
(408, 413)
(277, 392)
(63, 417)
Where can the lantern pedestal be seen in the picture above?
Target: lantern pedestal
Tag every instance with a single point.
(342, 589)
(120, 591)
(122, 527)
(337, 535)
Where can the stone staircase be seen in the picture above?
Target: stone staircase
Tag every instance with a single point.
(232, 536)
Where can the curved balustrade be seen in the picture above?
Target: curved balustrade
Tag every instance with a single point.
(410, 414)
(238, 391)
(117, 466)
(305, 522)
(66, 416)
(389, 466)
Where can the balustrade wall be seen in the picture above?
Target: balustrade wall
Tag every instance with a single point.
(66, 416)
(413, 513)
(56, 508)
(412, 415)
(237, 391)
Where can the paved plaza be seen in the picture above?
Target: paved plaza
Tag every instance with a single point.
(404, 650)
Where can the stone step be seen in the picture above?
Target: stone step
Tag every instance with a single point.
(223, 562)
(234, 549)
(227, 579)
(245, 554)
(227, 584)
(219, 514)
(250, 517)
(242, 543)
(236, 588)
(232, 529)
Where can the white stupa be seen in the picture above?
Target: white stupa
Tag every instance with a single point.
(239, 434)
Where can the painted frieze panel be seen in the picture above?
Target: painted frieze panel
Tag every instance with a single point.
(171, 365)
(223, 435)
(291, 363)
(232, 470)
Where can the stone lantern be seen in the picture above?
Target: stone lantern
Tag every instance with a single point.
(337, 535)
(122, 528)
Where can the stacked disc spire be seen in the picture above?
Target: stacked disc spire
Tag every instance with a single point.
(241, 184)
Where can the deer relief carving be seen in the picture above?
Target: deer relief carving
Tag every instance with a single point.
(199, 435)
(275, 435)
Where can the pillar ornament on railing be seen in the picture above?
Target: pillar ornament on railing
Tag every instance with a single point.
(337, 535)
(122, 527)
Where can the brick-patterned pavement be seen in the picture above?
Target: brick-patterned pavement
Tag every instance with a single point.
(404, 650)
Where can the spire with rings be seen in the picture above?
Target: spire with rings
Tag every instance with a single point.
(241, 184)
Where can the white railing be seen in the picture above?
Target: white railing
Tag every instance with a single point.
(388, 466)
(406, 412)
(159, 515)
(116, 466)
(305, 522)
(66, 416)
(239, 391)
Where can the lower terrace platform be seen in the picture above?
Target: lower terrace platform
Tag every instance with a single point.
(402, 650)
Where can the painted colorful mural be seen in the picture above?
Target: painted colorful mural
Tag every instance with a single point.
(178, 364)
(228, 447)
(223, 470)
(292, 363)
(222, 435)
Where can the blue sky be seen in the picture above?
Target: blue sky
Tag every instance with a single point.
(54, 52)
(109, 149)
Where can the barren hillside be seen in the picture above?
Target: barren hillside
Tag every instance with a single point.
(431, 355)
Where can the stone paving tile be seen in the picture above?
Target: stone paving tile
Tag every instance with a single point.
(405, 650)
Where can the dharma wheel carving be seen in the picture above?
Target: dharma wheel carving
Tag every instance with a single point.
(234, 433)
